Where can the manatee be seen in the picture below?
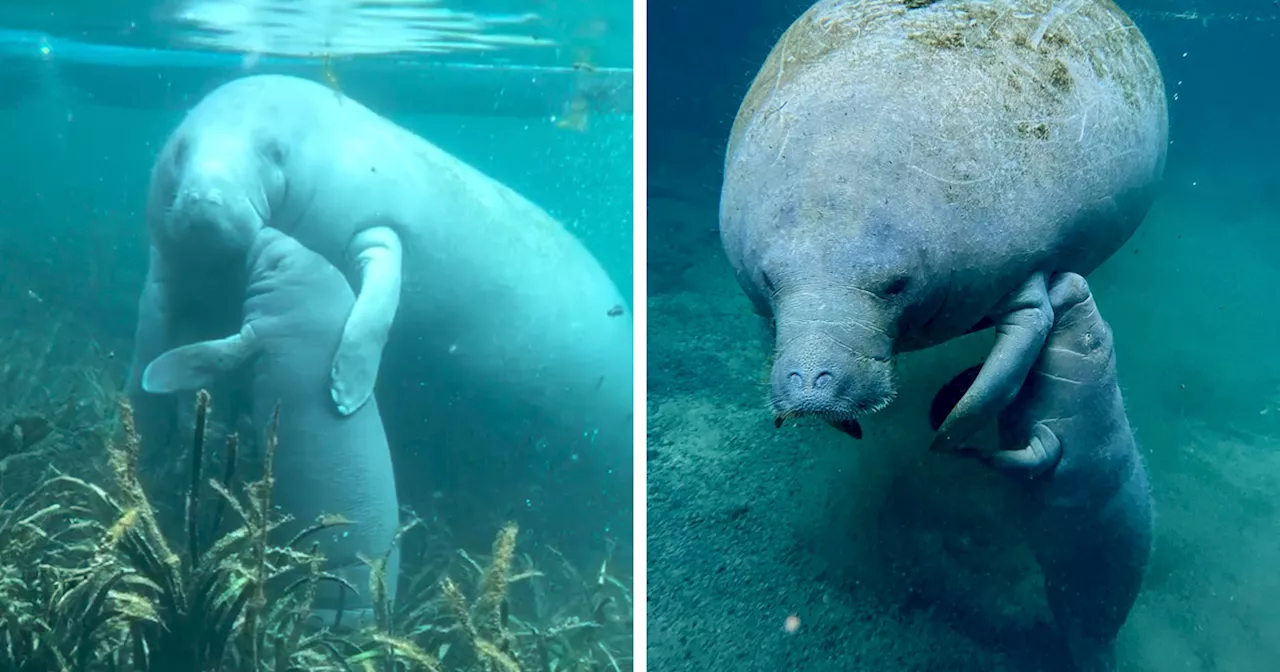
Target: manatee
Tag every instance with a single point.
(902, 173)
(1087, 501)
(326, 463)
(510, 343)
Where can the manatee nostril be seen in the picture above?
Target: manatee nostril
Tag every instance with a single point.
(799, 381)
(211, 197)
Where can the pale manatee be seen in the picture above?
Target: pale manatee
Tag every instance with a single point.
(512, 347)
(1087, 499)
(902, 173)
(326, 463)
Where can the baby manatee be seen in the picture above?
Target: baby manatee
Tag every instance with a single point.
(1086, 497)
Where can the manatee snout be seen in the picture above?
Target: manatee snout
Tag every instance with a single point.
(215, 216)
(200, 207)
(814, 374)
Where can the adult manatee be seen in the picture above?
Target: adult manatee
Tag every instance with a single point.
(295, 306)
(1087, 499)
(509, 339)
(904, 172)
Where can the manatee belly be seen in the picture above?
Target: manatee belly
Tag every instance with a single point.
(326, 464)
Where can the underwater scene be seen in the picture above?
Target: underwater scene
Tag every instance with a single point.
(316, 345)
(962, 335)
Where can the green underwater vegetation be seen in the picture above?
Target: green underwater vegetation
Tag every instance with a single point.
(90, 580)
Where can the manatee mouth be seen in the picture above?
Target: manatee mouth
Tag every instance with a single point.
(849, 426)
(846, 422)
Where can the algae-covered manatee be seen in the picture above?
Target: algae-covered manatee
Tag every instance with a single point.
(902, 173)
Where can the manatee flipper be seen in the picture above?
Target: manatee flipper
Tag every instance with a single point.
(153, 323)
(950, 394)
(1042, 452)
(849, 426)
(377, 260)
(156, 417)
(1066, 291)
(1023, 324)
(198, 365)
(984, 324)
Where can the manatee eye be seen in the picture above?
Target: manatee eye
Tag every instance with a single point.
(761, 294)
(767, 282)
(274, 152)
(896, 287)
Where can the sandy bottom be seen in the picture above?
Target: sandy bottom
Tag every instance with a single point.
(895, 559)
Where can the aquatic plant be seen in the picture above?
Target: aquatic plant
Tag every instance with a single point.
(89, 579)
(464, 611)
(33, 586)
(89, 582)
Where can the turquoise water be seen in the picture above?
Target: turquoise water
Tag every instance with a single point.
(88, 95)
(888, 557)
(601, 28)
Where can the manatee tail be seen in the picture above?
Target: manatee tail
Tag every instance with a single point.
(1092, 655)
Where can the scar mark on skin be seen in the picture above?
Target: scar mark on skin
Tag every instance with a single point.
(777, 80)
(945, 180)
(782, 148)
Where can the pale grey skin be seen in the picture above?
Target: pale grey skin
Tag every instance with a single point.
(1088, 502)
(899, 177)
(295, 306)
(517, 334)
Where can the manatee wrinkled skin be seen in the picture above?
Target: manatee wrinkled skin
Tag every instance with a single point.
(1087, 500)
(900, 174)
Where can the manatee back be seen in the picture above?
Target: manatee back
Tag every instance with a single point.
(1001, 129)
